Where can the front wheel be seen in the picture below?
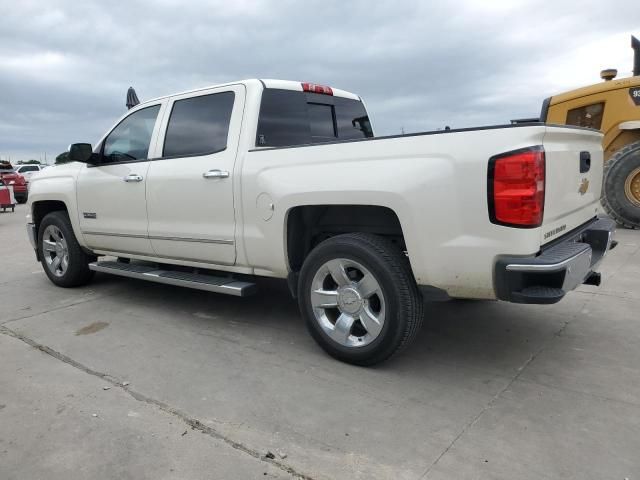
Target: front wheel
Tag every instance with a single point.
(359, 298)
(62, 258)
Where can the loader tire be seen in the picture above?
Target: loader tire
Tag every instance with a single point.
(621, 186)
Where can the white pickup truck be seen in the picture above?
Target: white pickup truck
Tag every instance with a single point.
(209, 188)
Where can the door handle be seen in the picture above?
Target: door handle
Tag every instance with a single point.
(215, 174)
(133, 178)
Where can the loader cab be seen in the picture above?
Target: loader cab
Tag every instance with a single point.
(613, 107)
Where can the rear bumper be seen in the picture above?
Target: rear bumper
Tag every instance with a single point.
(21, 192)
(559, 267)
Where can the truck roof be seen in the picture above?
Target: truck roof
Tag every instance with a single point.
(266, 83)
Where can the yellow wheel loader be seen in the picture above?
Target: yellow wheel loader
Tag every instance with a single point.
(612, 107)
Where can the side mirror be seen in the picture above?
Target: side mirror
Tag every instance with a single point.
(80, 152)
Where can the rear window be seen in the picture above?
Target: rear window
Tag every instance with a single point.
(6, 167)
(321, 123)
(291, 118)
(199, 125)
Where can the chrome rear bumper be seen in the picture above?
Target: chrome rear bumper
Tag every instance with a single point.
(558, 268)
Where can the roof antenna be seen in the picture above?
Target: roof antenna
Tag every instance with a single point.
(132, 98)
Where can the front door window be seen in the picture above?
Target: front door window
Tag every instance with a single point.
(130, 140)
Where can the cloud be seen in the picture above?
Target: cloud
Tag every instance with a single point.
(65, 66)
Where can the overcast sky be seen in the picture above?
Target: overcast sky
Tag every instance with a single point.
(65, 66)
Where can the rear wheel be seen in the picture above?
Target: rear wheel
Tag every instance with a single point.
(359, 298)
(62, 258)
(621, 187)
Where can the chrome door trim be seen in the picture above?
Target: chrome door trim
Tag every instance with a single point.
(105, 251)
(108, 234)
(197, 240)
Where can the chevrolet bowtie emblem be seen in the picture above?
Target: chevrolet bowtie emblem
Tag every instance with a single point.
(584, 186)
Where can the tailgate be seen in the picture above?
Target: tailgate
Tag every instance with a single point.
(573, 179)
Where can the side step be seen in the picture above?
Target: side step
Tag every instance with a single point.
(198, 281)
(539, 294)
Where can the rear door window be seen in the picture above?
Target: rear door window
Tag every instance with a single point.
(199, 125)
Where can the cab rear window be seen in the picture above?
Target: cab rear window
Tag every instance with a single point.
(290, 118)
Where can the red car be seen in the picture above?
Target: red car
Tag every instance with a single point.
(10, 177)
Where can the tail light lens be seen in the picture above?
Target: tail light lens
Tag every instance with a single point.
(516, 188)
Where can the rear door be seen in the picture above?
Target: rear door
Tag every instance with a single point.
(190, 187)
(573, 179)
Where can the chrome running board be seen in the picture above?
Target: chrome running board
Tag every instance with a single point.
(199, 281)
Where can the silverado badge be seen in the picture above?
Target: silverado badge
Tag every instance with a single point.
(584, 186)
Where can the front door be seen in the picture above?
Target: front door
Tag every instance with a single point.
(190, 187)
(111, 194)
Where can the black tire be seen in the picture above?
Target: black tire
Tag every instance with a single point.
(22, 198)
(77, 272)
(614, 199)
(391, 269)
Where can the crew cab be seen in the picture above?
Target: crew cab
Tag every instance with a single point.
(210, 188)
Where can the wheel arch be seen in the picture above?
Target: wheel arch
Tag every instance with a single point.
(308, 225)
(40, 209)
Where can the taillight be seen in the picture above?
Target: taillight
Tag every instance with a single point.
(313, 88)
(516, 188)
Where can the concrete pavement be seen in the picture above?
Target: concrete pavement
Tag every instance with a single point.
(489, 390)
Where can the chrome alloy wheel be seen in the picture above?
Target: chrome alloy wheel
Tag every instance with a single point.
(55, 250)
(348, 302)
